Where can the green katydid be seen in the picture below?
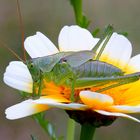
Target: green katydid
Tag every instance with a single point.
(77, 70)
(62, 70)
(39, 67)
(57, 67)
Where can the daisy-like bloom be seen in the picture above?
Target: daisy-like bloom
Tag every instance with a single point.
(116, 102)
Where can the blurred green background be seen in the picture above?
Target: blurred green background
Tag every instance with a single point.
(49, 16)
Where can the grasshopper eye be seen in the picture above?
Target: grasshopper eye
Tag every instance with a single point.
(63, 60)
(31, 65)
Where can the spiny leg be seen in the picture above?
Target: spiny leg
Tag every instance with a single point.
(40, 86)
(72, 98)
(116, 85)
(37, 93)
(91, 81)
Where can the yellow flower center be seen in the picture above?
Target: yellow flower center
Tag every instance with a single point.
(50, 88)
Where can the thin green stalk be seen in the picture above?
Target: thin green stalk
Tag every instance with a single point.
(87, 132)
(70, 129)
(77, 6)
(81, 20)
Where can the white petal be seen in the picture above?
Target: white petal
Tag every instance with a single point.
(30, 107)
(117, 115)
(75, 38)
(95, 100)
(117, 51)
(127, 109)
(39, 45)
(24, 109)
(134, 64)
(70, 106)
(18, 76)
(54, 103)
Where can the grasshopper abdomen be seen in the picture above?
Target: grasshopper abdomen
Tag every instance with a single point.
(97, 69)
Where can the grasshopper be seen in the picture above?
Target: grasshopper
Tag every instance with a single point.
(59, 68)
(76, 70)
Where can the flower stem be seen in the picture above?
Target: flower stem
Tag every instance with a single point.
(81, 20)
(87, 132)
(70, 129)
(77, 6)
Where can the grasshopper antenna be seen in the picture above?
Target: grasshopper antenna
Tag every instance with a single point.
(21, 28)
(10, 50)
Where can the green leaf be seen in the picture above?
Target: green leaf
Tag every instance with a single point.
(124, 34)
(85, 22)
(95, 32)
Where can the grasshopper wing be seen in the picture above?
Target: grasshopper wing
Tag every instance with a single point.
(47, 63)
(76, 59)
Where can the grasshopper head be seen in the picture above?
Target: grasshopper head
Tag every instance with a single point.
(34, 70)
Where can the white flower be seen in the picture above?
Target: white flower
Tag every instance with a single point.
(74, 38)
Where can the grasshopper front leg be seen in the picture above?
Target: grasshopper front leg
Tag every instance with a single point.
(72, 90)
(37, 85)
(40, 85)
